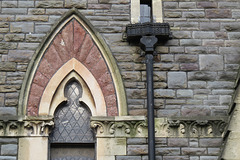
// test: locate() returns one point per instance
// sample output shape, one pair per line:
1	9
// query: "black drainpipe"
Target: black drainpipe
147	35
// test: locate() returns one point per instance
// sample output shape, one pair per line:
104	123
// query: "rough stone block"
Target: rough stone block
220	85
202	75
137	149
75	3
218	13
128	157
195	110
197	84
186	58
168	113
8	158
136	141
186	25
184	93
173	14
168	151
14	37
210	26
170	5
8	111
8	140
17	27
7	66
210	142
209	157
49	4
231	27
34	37
9	4
190	42
14	10
229	5
36	11
211	62
187	5
194	151
32	18
193	14
207	4
25	4
177	80
164	93
203	35
9	149
181	34
178	142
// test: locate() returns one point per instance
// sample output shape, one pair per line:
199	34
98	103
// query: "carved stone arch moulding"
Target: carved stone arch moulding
73	46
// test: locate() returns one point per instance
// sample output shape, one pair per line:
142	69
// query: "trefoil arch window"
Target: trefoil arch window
72	137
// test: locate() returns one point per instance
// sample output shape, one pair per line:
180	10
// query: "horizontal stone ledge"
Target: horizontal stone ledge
164	127
119	126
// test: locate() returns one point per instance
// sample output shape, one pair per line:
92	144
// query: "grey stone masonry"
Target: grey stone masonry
8	148
194	73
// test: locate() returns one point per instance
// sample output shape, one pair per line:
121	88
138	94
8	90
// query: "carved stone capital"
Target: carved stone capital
130	126
26	127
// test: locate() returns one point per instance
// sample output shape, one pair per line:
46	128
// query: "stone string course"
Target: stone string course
194	74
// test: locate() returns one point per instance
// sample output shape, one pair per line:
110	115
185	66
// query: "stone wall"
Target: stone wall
194	73
8	148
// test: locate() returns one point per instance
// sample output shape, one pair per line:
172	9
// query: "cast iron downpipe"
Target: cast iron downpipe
147	35
148	44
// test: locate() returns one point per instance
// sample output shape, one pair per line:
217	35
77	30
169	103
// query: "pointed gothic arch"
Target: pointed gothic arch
73	44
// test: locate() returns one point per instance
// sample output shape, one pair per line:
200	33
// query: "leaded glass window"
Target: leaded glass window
72	134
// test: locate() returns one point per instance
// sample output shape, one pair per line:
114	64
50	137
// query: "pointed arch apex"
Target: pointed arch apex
40	56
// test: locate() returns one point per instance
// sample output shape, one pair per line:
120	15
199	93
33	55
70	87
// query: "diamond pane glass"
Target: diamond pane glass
72	119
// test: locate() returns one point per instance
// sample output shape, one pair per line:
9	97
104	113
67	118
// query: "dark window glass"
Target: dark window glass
72	136
145	11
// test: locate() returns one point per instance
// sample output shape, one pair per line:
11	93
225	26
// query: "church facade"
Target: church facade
76	84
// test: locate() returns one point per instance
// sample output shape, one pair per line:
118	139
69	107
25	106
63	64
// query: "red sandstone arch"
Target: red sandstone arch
72	41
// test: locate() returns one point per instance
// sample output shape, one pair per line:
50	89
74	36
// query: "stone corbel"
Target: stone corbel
130	126
33	127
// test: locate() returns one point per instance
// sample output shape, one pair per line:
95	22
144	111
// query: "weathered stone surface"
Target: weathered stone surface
36	11
136	141
75	3
190	42
137	149
14	37
32	18
218	13
184	93
34	37
202	75
193	14
128	157
164	93
18	27
49	4
8	111
168	151
177	80
9	149
186	58
14	10
203	35
207	4
9	4
194	151
210	142
181	34
195	110
7	66
187	5
211	62
170	5
210	26
8	158
8	140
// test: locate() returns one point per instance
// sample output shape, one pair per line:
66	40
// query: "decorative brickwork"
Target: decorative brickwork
72	41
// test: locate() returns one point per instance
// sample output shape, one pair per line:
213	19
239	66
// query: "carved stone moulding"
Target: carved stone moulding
22	127
130	126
